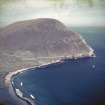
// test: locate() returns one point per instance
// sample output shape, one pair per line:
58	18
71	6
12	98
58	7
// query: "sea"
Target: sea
72	82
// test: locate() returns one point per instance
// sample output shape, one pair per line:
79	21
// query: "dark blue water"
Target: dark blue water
74	82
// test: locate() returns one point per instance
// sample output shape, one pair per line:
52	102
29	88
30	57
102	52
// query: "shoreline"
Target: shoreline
9	75
18	94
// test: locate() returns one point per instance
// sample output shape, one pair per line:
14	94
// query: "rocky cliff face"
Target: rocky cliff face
42	39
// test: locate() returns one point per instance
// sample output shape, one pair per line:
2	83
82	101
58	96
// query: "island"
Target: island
43	40
38	42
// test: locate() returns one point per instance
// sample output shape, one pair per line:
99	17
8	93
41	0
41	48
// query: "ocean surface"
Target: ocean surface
73	82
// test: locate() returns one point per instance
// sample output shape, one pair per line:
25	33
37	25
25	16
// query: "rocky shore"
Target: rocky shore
16	93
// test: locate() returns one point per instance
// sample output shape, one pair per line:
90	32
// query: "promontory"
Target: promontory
39	41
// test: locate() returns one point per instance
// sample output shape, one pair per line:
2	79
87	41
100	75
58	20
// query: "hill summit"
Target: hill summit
44	38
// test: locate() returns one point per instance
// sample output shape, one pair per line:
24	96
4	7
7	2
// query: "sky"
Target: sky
70	12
